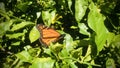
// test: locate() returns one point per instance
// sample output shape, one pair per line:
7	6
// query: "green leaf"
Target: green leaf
3	11
87	56
116	41
77	52
67	59
73	65
38	14
96	23
57	65
23	6
56	48
68	42
108	7
73	27
34	52
21	25
16	43
42	63
80	9
48	16
64	53
83	29
16	35
110	38
34	34
4	27
2	6
24	56
70	5
110	63
47	51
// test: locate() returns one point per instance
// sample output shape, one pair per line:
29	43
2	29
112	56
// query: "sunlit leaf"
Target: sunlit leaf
80	9
117	38
57	65
34	34
4	27
48	16
56	48
27	47
16	43
34	52
24	56
83	29
110	38
87	56
47	51
96	23
16	35
3	11
42	63
38	14
70	5
73	27
110	63
21	25
68	42
64	53
77	53
73	65
116	41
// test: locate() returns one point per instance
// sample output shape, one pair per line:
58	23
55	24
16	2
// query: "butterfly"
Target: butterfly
48	35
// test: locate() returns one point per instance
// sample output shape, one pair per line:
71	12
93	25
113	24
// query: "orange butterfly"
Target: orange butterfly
48	35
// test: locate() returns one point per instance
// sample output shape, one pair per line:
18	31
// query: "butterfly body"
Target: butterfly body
48	35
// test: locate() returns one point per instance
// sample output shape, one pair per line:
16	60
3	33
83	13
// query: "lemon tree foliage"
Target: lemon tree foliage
91	28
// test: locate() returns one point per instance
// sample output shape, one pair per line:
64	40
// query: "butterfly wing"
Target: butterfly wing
48	35
47	41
